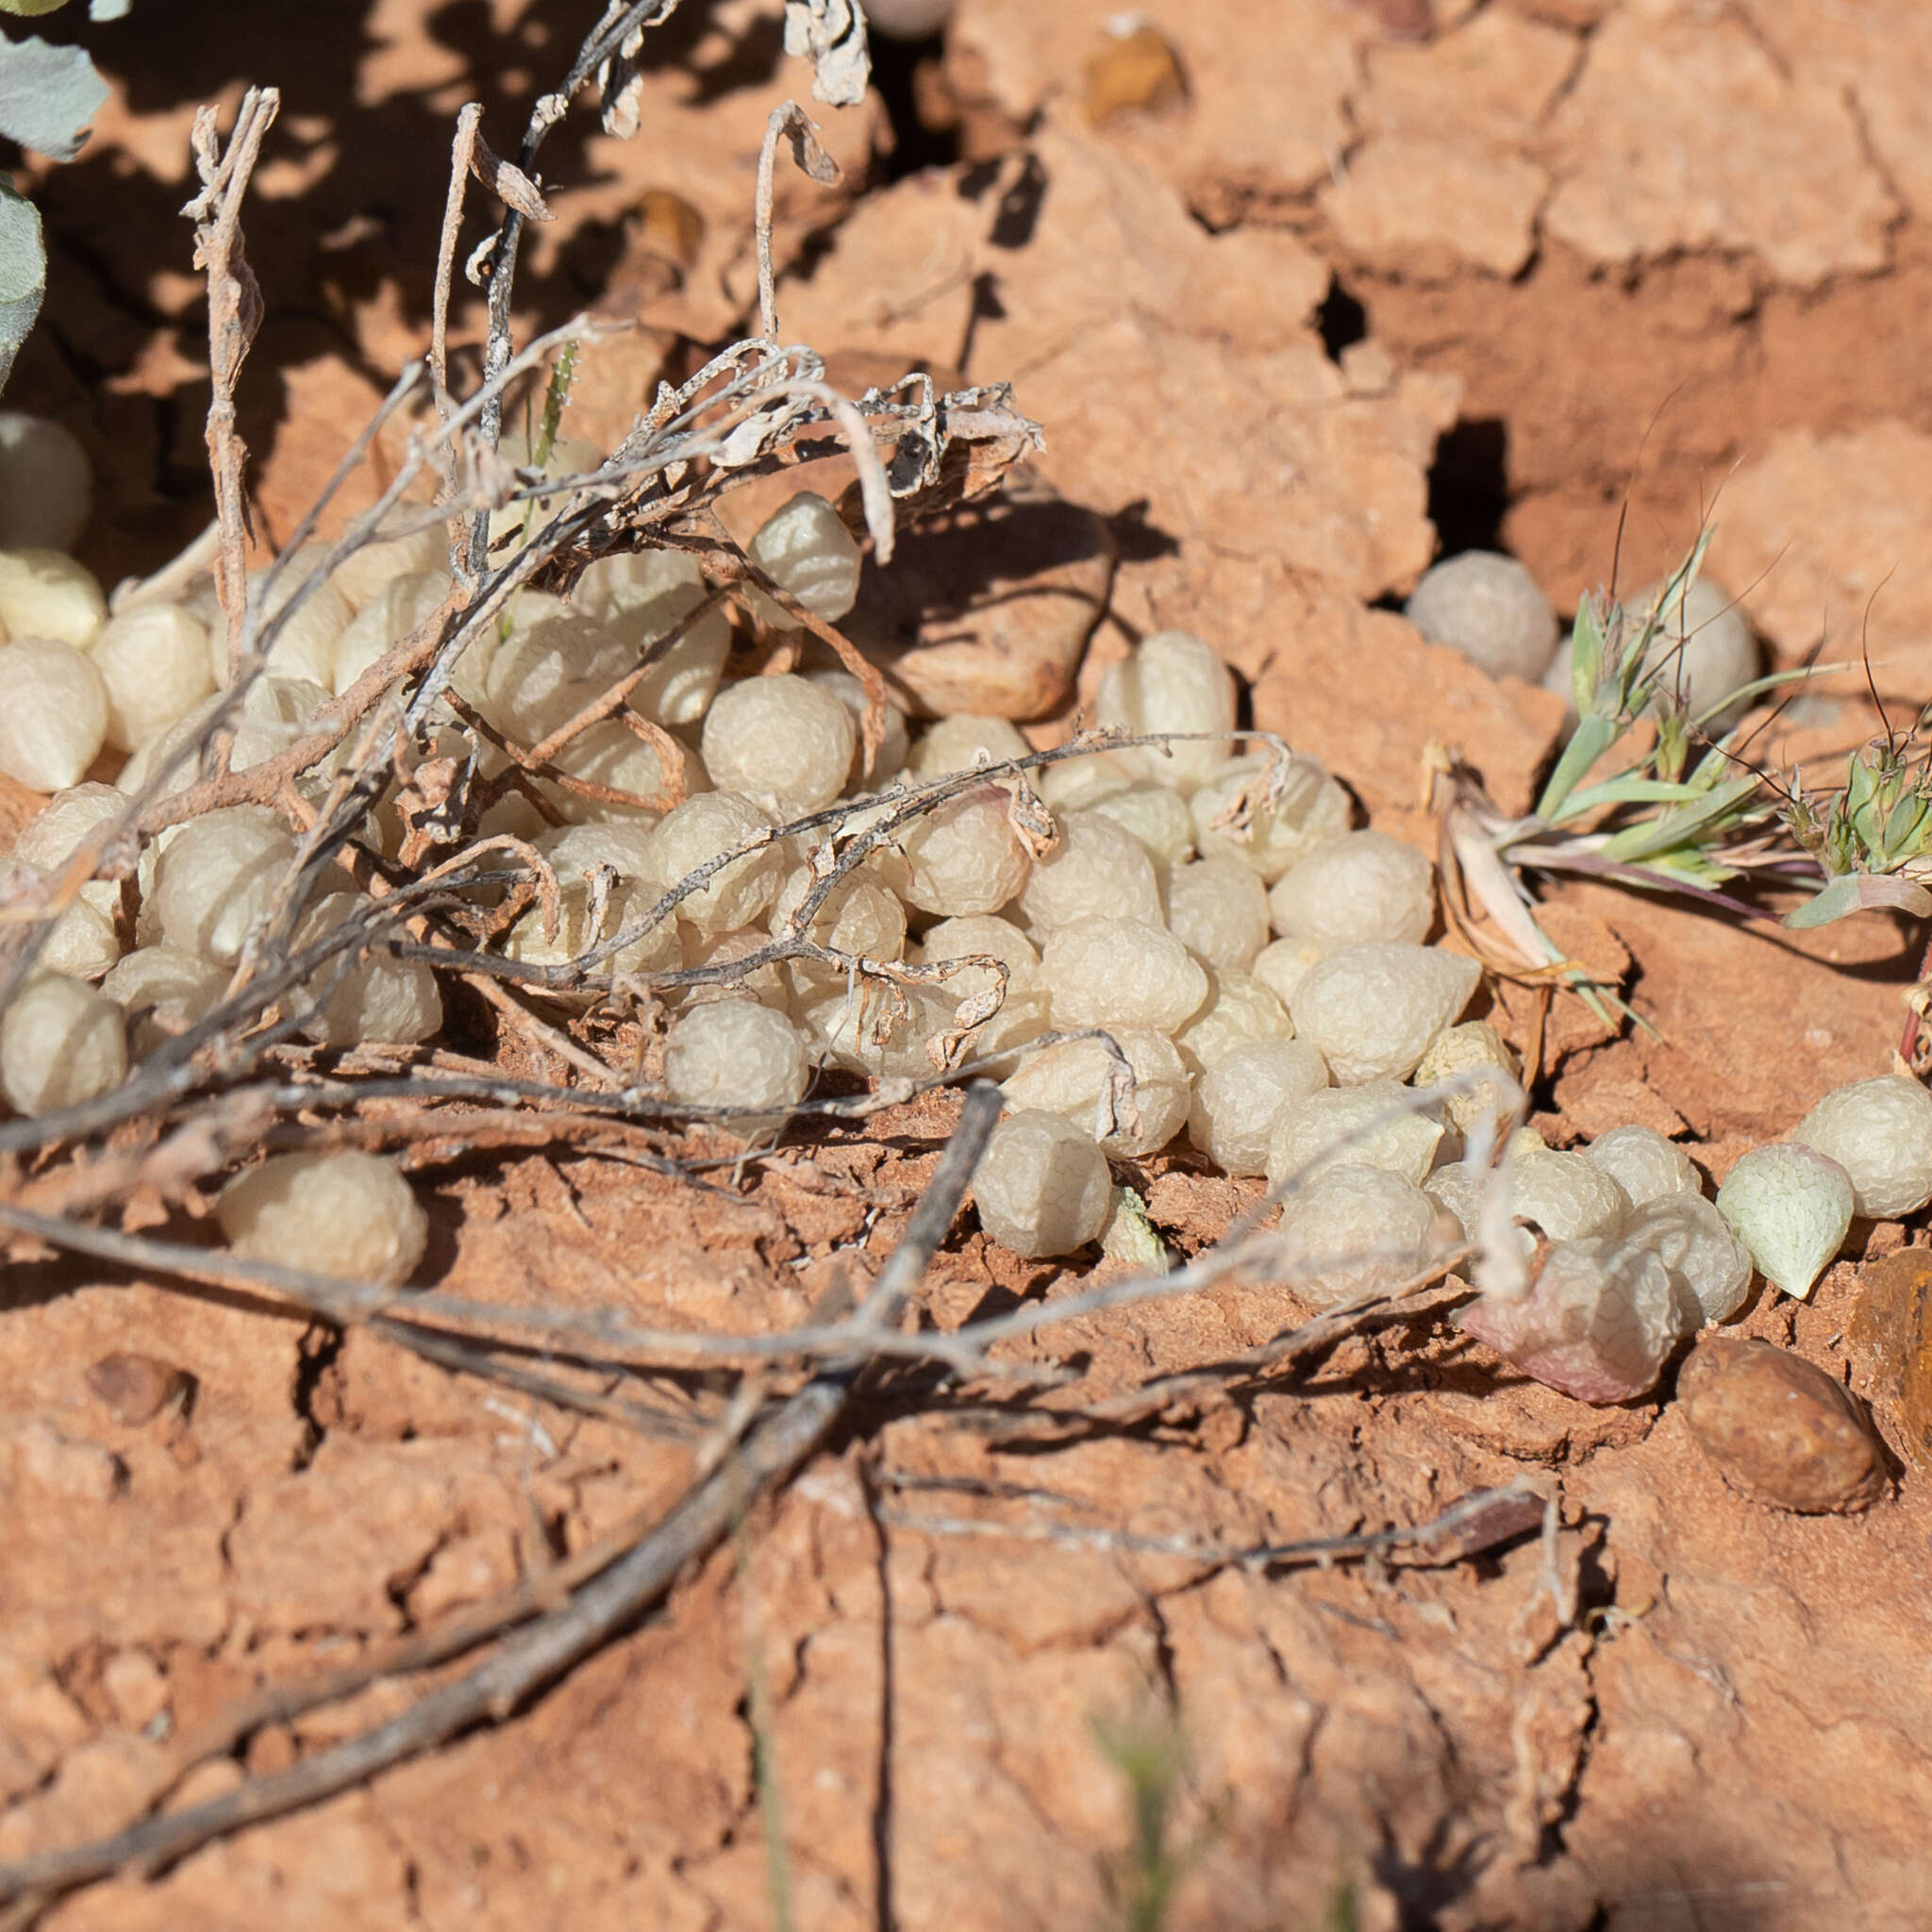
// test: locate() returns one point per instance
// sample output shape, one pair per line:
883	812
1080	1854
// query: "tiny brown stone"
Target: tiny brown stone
136	1388
1779	1428
1138	71
1890	1333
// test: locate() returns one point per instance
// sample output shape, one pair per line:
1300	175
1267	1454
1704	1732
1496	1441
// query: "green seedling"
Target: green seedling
1684	814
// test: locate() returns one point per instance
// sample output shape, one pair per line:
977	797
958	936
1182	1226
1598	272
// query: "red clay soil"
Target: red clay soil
1703	1712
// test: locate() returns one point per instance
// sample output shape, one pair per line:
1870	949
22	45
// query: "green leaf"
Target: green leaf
30	7
23	273
1593	737
1634	791
1859	891
1682	826
47	96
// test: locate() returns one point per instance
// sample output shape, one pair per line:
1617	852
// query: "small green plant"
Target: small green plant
1687	814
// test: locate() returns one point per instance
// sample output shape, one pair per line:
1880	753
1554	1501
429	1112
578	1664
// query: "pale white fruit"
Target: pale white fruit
163	990
83	943
47	483
1122	973
1378	1123
1566	1195
1705	652
275	711
859	918
1312	807
860	1029
1024	1014
375	997
1599	1323
1158	818
1239	1009
766	983
304	641
805	549
1359	887
783	740
1691	1238
1459	1190
1791	1206
1169	682
153	661
1491	609
58	829
610	754
895	738
1218	909
554	666
735	1053
625	848
217	876
350	1215
958	743
1042	1187
61	1046
1475	1053
1376	1010
1880	1132
703	828
1355	1231
1073	784
647	595
402	605
46	594
569	456
963	857
1242	1099
1645	1165
1281	965
54	718
1074	1078
365	575
1097	869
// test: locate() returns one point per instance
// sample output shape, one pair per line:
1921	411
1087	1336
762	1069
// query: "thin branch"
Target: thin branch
234	313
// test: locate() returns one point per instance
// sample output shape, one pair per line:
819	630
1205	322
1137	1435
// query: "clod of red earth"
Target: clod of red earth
1779	1428
987	610
1819	526
1890	1333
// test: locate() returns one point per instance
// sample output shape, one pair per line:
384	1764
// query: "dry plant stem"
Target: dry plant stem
1400	1305
788	121
1477	1524
234	313
462	149
618	24
560	1637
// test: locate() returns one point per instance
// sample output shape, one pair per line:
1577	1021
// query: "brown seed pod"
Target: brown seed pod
1779	1428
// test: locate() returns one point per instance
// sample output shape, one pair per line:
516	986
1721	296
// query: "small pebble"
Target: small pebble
136	1388
1779	1428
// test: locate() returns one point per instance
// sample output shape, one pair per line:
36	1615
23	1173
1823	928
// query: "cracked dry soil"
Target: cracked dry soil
1349	290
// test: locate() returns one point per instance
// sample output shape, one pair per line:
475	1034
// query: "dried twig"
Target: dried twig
234	313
